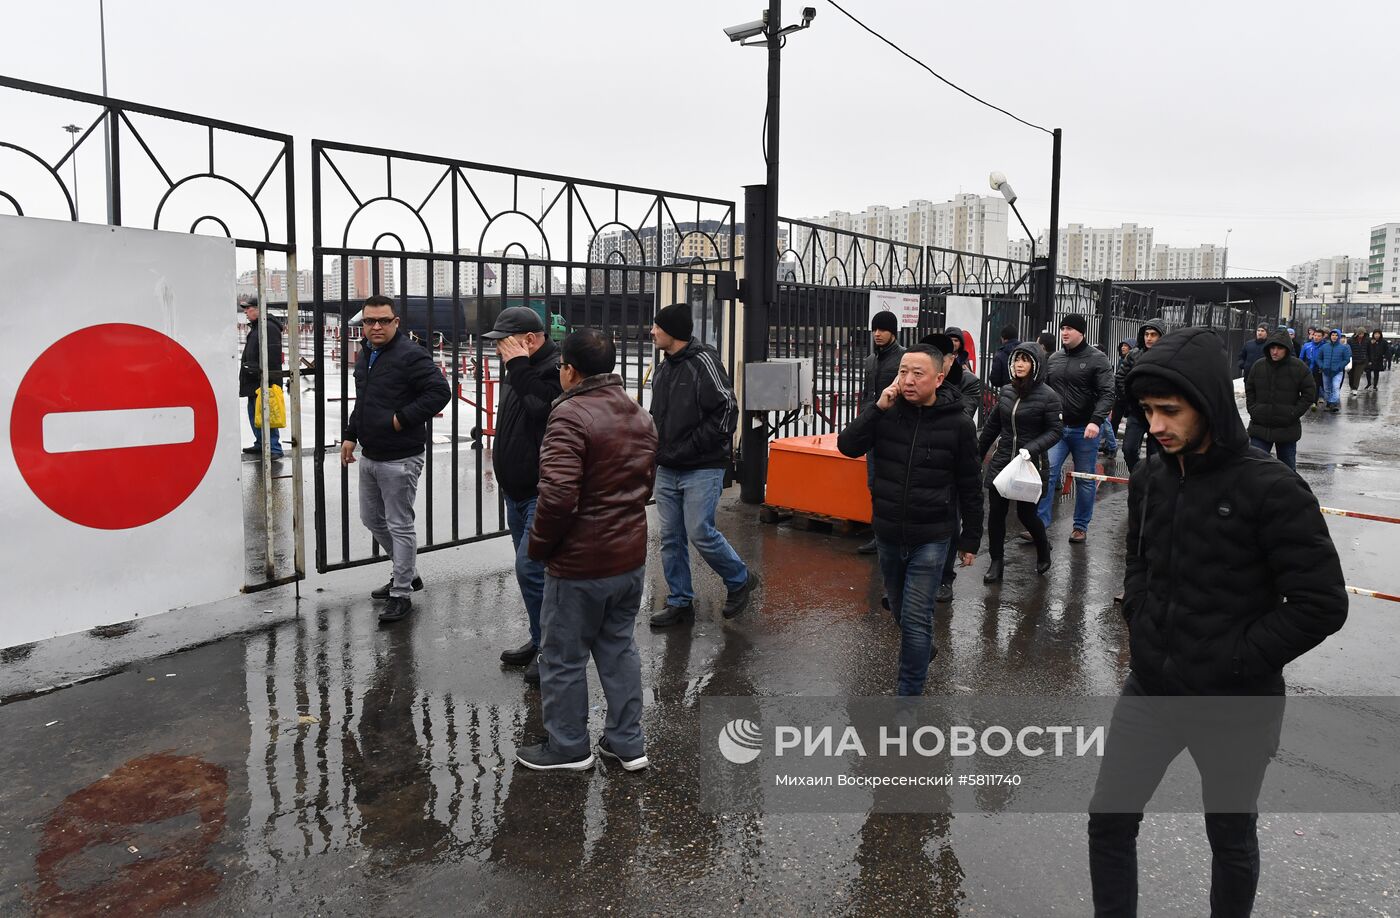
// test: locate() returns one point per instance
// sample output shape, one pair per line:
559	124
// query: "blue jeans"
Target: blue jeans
912	576
1332	386
685	504
1085	452
1108	434
1287	452
529	574
256	423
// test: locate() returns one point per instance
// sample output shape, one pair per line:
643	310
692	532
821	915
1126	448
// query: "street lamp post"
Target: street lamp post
763	284
1225	258
999	183
73	131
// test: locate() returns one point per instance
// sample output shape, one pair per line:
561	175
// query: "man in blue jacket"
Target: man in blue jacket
1332	359
1253	350
398	391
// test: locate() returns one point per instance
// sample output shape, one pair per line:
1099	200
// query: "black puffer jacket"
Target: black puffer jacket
1125	366
1231	572
968	386
1251	351
1278	393
881	368
1028	420
250	368
1001	365
925	459
1380	354
529	389
1083	378
403	382
693	405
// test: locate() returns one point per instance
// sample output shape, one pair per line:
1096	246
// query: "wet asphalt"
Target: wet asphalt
252	757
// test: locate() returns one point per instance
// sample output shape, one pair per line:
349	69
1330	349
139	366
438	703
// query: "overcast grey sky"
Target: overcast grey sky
1275	119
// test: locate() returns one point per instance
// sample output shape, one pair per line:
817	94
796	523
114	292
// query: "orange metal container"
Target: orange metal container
808	474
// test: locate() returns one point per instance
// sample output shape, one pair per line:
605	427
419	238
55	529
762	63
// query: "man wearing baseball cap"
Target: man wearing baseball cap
1083	377
530	386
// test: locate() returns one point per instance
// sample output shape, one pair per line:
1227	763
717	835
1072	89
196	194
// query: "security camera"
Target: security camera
746	30
999	183
808	14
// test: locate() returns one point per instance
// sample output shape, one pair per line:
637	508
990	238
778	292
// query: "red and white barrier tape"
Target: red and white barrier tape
1373	517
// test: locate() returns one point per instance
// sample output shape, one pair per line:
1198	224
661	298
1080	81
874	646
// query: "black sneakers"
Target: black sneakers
543	758
636	763
395	609
532	672
674	615
869	548
383	592
945	593
738	601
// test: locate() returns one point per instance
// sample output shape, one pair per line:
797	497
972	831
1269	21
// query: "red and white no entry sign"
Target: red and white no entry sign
114	426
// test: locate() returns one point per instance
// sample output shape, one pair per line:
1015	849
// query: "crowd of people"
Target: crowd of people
577	459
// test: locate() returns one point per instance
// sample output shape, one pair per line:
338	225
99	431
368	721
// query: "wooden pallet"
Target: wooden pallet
810	522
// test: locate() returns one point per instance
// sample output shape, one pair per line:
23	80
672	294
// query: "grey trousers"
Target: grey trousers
387	491
580	618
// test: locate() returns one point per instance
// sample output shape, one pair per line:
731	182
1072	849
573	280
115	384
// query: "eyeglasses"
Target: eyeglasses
389	321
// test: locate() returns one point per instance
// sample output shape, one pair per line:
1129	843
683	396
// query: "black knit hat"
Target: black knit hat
1075	321
675	321
884	320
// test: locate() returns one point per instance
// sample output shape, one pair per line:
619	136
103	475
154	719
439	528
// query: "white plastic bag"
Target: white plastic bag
1020	480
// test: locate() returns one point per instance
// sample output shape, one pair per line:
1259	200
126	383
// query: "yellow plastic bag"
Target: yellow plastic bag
277	418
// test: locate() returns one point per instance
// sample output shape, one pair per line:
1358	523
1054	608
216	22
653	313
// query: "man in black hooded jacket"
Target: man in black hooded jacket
1133	429
1278	391
1231	574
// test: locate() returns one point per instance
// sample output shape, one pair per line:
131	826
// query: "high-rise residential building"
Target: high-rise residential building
967	223
1383	272
357	277
1206	260
1121	252
1339	274
275	285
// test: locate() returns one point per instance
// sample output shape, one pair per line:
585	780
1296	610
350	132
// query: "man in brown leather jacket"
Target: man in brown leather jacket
597	468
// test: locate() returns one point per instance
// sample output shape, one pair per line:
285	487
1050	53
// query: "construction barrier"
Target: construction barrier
1374	517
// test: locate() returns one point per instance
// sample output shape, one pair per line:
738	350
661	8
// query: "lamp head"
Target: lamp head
999	183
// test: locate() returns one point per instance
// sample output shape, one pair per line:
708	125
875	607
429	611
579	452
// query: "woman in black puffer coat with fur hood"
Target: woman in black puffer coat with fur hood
1027	417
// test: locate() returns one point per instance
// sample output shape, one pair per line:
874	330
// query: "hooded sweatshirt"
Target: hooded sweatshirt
1231	572
1277	393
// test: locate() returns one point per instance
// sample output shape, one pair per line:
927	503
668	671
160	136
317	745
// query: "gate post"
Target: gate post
1106	341
759	254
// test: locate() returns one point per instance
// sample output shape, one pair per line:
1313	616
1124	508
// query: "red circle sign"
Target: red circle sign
114	426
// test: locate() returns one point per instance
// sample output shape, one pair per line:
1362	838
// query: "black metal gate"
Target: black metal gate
182	173
455	242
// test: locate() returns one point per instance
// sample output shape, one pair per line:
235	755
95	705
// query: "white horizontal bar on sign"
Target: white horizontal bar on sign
123	428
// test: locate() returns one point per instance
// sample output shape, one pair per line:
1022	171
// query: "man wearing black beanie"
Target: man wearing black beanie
881	367
693	405
1083	377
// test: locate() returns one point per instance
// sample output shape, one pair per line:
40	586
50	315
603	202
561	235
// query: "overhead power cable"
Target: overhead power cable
940	76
